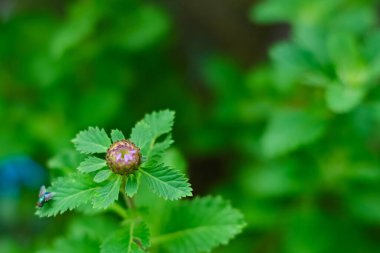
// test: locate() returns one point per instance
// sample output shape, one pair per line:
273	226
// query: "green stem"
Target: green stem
160	239
131	228
129	202
119	210
174	235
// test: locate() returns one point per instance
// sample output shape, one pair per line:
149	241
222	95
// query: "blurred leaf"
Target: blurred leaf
174	159
291	64
346	55
62	244
312	39
342	99
288	130
146	26
273	180
365	206
109	108
355	18
78	26
65	160
10	245
95	227
308	232
273	11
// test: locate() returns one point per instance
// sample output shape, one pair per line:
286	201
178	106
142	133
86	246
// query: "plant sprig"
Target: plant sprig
98	185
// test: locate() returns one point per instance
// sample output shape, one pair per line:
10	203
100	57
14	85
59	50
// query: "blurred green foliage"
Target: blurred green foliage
297	136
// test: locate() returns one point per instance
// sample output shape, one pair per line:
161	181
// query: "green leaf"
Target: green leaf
288	130
79	24
97	226
199	225
341	99
272	11
102	175
166	182
161	122
159	148
117	135
148	24
132	185
83	234
142	235
146	131
93	140
73	244
141	135
66	160
92	164
154	155
133	238
69	193
107	194
291	63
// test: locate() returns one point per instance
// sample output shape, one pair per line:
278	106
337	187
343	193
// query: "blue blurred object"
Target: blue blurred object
17	172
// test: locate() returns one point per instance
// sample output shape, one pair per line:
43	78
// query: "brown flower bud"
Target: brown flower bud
123	157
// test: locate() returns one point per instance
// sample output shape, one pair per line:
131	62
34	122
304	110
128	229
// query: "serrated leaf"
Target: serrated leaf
107	194
288	130
69	193
131	185
199	225
93	140
92	164
152	126
159	148
120	241
142	235
102	175
133	238
155	153
161	122
166	182
141	135
117	135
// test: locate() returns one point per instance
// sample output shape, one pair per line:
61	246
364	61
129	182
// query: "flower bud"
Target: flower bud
123	157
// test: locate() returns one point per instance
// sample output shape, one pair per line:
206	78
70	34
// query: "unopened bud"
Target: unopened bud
123	157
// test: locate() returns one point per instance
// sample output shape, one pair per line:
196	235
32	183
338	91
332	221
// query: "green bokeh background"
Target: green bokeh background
277	107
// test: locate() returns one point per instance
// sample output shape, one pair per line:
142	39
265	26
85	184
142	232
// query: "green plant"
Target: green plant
147	222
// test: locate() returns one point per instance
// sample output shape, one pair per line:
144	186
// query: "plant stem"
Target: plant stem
116	208
130	203
128	200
